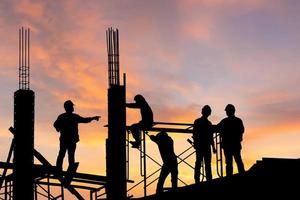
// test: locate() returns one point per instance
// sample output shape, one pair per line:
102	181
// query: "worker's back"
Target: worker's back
202	133
166	147
67	125
146	113
231	129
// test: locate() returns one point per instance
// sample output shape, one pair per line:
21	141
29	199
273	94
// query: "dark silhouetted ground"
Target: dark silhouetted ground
270	178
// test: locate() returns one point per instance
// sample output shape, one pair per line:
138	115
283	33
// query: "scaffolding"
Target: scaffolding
47	181
117	136
46	175
21	178
116	140
179	128
44	179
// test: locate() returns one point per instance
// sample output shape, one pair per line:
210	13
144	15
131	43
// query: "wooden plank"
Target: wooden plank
173	123
169	130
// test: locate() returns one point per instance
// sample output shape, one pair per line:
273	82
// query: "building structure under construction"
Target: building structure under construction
23	179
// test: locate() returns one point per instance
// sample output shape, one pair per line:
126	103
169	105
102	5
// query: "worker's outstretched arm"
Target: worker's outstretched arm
87	119
132	105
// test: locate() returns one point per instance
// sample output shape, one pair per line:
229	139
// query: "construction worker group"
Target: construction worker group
231	130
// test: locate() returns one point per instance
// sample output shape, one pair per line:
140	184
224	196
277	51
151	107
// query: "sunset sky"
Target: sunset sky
179	54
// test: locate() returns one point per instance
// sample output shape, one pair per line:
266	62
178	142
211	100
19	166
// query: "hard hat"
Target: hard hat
206	108
162	134
138	97
230	107
68	103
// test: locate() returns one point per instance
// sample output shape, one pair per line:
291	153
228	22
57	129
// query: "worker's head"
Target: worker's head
206	110
162	134
69	106
139	98
230	110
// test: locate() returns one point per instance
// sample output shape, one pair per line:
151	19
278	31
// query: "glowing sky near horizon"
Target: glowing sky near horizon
180	55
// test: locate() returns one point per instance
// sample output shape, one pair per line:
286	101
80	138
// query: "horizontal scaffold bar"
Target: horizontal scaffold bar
42	171
170	127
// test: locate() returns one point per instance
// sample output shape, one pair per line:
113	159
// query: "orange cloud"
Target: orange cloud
200	29
29	8
267	131
223	3
69	62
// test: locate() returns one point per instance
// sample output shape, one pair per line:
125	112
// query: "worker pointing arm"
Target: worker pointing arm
87	119
67	125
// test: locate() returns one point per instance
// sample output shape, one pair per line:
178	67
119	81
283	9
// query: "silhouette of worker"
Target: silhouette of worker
203	141
67	125
166	149
146	122
231	130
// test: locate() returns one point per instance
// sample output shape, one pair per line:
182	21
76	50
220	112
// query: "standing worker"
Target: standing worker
166	150
231	130
146	122
203	141
67	125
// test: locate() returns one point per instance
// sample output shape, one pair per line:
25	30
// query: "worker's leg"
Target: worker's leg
207	160
162	177
199	158
239	161
174	175
71	153
61	155
135	130
228	161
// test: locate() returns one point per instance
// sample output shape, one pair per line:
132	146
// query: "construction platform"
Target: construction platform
170	127
51	176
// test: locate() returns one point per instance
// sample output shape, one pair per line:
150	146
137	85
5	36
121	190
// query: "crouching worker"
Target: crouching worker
146	122
166	149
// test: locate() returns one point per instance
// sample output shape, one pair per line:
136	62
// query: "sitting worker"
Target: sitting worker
146	122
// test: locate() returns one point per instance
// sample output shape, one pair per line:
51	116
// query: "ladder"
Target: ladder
143	160
143	157
166	127
219	154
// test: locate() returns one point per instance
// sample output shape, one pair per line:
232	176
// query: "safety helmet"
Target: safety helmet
139	98
230	107
206	109
68	103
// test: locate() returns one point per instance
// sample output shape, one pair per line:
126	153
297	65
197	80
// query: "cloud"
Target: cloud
250	4
199	30
180	55
29	8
